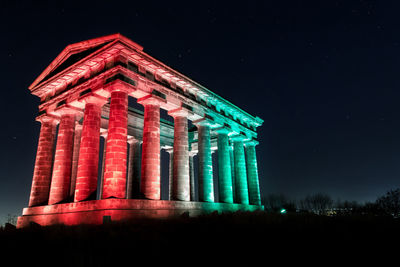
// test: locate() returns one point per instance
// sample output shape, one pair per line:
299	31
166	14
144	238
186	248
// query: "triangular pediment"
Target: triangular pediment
75	52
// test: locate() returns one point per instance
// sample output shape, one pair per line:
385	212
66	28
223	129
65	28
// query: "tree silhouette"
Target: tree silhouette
317	203
390	203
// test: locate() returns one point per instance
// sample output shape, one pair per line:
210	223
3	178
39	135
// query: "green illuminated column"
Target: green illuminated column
232	159
224	167
242	194
206	186
252	173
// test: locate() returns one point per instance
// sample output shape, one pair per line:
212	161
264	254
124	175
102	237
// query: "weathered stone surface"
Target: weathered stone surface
150	178
242	193
181	178
206	183
60	182
86	178
224	168
252	175
92	212
118	71
75	158
43	164
114	183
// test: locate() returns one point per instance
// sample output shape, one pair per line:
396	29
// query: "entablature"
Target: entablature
145	75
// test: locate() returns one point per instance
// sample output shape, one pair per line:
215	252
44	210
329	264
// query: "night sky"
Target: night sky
324	76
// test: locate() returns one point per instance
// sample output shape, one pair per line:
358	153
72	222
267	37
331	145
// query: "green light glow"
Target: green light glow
206	183
224	167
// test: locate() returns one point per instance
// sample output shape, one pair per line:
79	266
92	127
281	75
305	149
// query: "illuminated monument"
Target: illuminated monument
84	97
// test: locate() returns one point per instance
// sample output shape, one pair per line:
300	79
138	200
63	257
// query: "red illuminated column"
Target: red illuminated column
44	161
60	182
75	157
150	178
181	178
86	178
114	184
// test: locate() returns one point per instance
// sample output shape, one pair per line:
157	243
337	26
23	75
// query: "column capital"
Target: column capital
205	121
169	150
180	112
93	99
251	142
224	130
46	118
66	110
78	126
118	85
103	133
239	137
151	100
132	140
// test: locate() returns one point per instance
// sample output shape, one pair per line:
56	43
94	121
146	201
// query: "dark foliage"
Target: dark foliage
390	203
212	238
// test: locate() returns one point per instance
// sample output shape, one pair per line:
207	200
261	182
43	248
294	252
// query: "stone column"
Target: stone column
136	169
132	168
114	184
231	156
150	178
60	181
181	179
75	158
224	167
191	173
242	194
86	178
43	163
252	173
206	183
103	164
170	173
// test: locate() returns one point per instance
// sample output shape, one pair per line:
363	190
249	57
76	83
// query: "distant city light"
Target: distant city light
283	211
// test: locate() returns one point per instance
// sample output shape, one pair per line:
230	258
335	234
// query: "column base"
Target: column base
118	210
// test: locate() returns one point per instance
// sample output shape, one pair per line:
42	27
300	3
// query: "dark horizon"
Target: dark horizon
322	76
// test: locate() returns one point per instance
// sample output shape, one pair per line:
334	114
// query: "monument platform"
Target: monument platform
97	212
